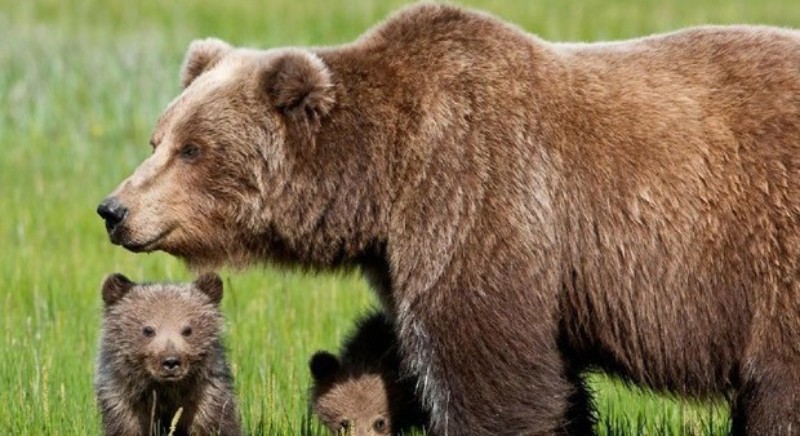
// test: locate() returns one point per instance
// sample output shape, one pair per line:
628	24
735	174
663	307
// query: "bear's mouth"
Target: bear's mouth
170	377
139	247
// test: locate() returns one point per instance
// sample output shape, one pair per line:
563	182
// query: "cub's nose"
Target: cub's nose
112	211
171	363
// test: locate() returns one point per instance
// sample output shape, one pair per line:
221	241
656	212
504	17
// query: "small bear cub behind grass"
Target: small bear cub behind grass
160	353
362	391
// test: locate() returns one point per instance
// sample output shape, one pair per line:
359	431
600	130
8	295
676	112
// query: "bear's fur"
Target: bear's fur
526	210
363	391
160	352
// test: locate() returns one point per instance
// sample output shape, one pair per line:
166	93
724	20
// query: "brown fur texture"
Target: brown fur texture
160	352
363	391
525	210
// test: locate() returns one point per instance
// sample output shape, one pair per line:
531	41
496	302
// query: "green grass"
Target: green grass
81	84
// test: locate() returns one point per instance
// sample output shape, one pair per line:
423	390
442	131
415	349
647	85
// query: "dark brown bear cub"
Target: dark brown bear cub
161	353
363	392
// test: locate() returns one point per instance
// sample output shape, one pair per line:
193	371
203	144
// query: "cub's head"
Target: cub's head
350	403
161	332
224	160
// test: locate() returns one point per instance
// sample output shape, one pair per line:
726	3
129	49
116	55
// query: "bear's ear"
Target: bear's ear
115	287
323	365
299	85
201	56
211	285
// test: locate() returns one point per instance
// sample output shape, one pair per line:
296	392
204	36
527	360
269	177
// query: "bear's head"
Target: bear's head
161	332
234	175
357	403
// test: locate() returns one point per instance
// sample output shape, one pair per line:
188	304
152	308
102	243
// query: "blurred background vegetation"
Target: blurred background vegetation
81	84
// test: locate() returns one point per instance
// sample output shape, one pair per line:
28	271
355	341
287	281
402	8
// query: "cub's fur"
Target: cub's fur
362	391
161	352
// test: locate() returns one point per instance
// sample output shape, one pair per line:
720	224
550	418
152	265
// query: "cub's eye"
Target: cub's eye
149	332
187	331
344	424
379	425
189	151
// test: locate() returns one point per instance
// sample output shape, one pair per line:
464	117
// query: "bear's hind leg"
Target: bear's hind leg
768	400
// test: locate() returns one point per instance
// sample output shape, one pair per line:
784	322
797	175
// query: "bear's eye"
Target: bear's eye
149	332
187	331
379	425
344	424
189	151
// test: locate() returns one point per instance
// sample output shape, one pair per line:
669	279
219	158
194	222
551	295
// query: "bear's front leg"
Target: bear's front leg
216	413
489	362
119	416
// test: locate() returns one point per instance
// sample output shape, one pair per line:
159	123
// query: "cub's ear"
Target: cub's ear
299	84
211	285
115	287
323	365
201	56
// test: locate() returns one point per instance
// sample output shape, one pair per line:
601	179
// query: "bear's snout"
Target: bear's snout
113	212
171	363
169	366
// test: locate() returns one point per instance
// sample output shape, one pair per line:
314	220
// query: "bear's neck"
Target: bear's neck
336	206
421	147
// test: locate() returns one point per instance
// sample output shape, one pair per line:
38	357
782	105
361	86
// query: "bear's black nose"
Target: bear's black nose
112	211
171	363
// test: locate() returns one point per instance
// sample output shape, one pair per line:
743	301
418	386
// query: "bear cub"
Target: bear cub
362	392
161	359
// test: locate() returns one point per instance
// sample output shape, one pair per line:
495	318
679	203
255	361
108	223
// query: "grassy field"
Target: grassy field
81	84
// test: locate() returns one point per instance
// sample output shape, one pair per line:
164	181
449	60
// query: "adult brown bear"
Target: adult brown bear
526	210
